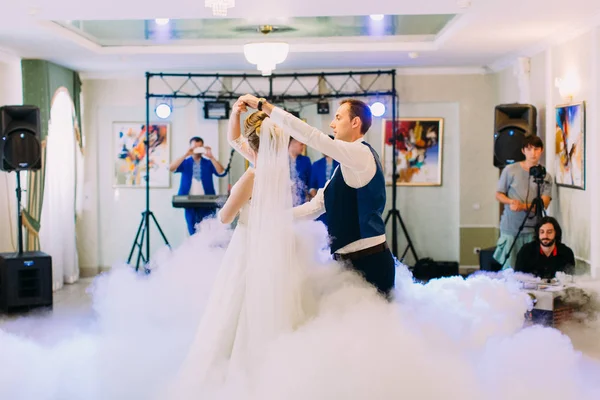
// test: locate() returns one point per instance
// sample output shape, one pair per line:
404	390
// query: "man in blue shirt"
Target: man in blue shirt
321	172
300	166
197	167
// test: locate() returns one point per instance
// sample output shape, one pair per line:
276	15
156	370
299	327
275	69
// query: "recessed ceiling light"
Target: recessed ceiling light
161	21
376	17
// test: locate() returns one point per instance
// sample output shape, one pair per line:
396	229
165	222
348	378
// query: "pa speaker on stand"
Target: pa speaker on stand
512	124
25	277
20	148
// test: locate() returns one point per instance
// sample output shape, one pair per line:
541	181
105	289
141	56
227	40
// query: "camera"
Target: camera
199	150
538	172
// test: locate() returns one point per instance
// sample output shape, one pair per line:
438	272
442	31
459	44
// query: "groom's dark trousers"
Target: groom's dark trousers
376	264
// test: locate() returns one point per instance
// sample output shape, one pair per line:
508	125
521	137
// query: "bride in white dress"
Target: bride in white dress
259	292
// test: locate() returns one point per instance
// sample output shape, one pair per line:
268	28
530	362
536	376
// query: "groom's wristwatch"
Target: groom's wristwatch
261	101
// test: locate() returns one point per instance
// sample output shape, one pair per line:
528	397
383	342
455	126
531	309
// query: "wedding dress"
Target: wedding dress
260	291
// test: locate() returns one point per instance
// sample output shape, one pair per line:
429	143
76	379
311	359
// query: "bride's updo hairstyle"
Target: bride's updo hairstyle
252	126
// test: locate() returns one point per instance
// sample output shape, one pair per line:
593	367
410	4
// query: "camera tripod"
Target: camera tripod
537	205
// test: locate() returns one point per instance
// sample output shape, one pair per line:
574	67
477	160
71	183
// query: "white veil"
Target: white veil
274	277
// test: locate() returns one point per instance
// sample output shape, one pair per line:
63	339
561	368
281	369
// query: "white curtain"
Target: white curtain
57	224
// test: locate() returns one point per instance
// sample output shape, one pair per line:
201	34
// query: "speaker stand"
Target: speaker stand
19	213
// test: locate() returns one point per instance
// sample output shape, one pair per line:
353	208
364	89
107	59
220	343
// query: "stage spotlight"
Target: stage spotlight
377	109
161	21
323	107
163	110
376	17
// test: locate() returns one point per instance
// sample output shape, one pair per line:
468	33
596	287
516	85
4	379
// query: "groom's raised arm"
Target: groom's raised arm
349	154
352	155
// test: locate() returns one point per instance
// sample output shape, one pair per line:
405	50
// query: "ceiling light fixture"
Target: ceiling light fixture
413	54
266	55
376	17
219	7
161	21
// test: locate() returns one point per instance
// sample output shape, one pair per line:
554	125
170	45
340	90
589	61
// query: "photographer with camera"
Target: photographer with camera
525	190
197	167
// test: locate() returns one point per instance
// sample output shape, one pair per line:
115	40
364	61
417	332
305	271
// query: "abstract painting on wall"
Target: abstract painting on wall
130	152
569	153
418	151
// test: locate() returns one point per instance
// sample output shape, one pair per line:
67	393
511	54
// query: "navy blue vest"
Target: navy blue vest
355	214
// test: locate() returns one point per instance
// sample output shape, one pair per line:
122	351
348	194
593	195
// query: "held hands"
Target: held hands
239	107
249	100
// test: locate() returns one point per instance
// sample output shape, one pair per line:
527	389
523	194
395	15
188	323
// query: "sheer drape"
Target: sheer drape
57	230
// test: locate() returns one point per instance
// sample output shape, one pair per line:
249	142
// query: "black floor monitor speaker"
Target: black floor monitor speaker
512	123
20	146
25	281
426	269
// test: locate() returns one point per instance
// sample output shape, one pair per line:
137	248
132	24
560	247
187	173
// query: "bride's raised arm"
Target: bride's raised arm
234	136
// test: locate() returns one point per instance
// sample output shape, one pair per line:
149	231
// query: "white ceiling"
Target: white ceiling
486	34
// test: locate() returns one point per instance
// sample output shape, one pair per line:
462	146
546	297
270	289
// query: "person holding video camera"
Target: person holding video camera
518	190
197	167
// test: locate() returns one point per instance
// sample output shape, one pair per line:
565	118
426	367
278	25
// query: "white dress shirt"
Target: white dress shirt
357	166
197	188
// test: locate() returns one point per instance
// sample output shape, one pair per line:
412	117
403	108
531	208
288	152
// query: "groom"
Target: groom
354	197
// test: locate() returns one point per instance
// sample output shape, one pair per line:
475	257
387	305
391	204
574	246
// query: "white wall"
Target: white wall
593	149
11	93
575	209
572	207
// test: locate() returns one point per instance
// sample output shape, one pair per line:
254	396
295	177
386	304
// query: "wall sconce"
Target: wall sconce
568	86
